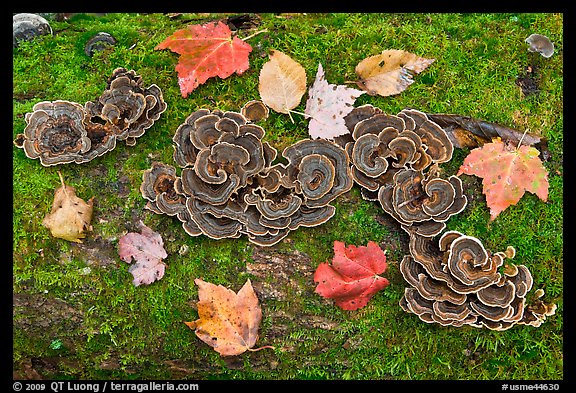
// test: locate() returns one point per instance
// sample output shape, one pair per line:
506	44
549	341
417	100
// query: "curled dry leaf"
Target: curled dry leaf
327	105
228	321
70	215
390	72
464	131
147	249
282	82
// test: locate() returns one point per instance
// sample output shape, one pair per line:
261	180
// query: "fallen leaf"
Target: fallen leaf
282	82
353	278
327	105
206	51
228	321
70	216
147	250
506	172
390	72
465	131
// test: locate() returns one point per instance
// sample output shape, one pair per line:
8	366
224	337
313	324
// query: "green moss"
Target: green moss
132	332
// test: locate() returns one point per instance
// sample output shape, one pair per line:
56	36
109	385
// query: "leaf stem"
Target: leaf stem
61	178
252	35
64	189
264	347
299	113
522	138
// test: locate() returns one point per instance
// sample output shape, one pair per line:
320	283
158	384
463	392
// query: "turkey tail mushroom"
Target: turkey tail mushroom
457	282
61	132
230	186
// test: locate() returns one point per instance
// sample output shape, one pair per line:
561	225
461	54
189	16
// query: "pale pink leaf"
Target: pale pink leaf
327	105
147	250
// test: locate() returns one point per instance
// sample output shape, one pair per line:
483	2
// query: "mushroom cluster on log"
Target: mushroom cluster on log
61	132
457	282
229	184
395	160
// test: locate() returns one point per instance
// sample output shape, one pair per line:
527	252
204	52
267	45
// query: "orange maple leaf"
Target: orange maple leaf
206	51
227	321
507	172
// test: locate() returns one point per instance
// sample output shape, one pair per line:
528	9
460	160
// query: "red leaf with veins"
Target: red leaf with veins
206	51
353	278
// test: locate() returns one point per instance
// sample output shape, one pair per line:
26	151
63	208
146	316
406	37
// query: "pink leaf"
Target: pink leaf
327	105
147	249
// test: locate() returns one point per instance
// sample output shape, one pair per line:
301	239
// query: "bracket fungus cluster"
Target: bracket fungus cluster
100	41
395	161
230	184
458	282
61	132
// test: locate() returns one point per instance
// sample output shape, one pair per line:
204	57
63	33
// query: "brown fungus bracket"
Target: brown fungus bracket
457	282
61	132
55	133
255	111
422	203
395	158
383	144
229	184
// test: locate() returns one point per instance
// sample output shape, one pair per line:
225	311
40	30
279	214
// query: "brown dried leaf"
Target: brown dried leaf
465	131
70	216
228	321
390	72
282	82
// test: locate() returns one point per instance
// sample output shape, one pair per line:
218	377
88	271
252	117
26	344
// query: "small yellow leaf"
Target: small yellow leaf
70	216
282	82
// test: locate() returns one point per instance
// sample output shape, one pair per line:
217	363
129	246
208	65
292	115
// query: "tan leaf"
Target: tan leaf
70	216
390	72
282	82
228	322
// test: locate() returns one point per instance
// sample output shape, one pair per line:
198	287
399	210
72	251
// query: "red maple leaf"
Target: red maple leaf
206	51
506	172
353	278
